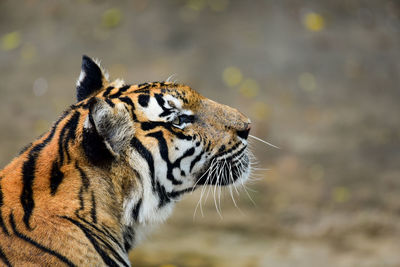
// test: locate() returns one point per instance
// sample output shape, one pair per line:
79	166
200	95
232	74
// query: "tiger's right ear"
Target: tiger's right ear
91	79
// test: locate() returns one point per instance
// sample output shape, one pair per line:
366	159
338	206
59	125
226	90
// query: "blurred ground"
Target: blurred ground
320	79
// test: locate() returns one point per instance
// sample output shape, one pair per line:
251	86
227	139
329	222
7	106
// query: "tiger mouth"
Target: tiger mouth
226	168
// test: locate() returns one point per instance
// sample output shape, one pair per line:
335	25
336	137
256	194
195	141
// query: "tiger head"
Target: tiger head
171	136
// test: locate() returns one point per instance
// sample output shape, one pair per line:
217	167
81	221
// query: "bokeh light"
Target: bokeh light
112	17
341	194
249	88
11	41
232	76
314	22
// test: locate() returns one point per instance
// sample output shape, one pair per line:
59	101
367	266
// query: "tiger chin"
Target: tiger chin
112	165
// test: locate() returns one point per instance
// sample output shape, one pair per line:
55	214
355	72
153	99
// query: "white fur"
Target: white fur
82	76
149	212
118	83
152	110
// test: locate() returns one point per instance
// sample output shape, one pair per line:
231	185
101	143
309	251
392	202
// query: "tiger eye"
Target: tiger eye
177	120
171	103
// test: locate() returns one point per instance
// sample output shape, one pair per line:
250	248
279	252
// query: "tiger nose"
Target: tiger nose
244	133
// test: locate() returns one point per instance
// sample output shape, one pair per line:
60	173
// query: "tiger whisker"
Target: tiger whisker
247	193
198	180
215	187
241	162
225	181
263	141
207	189
169	79
210	170
230	190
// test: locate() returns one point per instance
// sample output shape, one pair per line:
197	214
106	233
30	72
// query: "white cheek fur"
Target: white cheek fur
153	110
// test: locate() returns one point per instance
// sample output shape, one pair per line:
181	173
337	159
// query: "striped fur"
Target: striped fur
112	165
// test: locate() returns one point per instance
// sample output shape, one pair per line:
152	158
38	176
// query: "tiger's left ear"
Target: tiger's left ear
91	79
107	130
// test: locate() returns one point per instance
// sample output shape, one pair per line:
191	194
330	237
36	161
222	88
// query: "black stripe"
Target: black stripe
175	194
2	224
189	152
165	113
124	88
149	125
144	100
143	86
93	211
208	146
196	160
72	125
28	174
163	148
108	91
81	201
84	187
109	102
63	142
233	155
136	144
161	102
128	101
129	237
4	258
160	99
103	231
222	148
84	104
116	95
85	180
91	237
56	177
136	210
163	195
36	244
143	90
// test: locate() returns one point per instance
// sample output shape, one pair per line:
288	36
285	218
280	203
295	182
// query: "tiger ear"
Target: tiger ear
91	79
108	128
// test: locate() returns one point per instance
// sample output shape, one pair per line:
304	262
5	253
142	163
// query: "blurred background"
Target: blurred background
319	79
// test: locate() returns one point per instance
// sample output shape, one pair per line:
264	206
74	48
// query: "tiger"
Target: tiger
111	167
